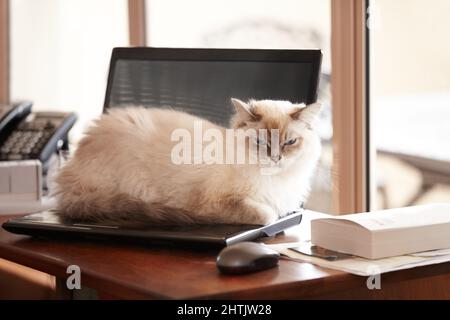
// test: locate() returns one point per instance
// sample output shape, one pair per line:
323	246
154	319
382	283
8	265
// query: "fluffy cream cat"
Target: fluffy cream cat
123	169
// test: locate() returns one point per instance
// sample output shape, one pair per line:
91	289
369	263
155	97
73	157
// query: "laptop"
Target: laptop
48	224
200	82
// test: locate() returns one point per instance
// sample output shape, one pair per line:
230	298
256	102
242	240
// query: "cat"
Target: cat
122	171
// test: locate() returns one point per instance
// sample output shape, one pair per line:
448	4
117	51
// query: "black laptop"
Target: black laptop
48	224
200	82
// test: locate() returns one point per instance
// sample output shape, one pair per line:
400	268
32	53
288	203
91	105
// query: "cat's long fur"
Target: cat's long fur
122	170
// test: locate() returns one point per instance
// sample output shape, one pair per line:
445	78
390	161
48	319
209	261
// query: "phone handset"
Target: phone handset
11	114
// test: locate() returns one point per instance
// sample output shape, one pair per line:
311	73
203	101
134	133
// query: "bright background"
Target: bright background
60	52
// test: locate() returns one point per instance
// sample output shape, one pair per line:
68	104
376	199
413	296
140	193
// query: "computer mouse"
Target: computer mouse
246	257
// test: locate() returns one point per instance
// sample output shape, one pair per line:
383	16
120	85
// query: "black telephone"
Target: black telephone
25	135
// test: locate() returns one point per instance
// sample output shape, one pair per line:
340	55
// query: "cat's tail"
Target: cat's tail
117	208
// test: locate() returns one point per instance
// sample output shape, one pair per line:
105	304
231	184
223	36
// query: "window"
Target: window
410	101
255	24
60	53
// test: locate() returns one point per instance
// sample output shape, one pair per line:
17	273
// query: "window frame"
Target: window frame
137	22
352	149
4	51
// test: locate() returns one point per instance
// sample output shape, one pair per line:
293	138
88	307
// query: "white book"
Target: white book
385	233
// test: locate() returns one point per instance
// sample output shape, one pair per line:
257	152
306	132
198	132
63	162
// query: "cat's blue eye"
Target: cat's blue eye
289	142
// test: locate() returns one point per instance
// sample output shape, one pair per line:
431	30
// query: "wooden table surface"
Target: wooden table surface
131	271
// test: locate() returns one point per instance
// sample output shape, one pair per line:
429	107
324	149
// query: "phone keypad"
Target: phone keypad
28	141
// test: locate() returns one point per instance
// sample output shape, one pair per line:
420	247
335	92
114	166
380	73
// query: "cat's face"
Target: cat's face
285	131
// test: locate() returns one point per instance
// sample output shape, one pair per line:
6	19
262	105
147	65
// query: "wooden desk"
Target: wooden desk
136	272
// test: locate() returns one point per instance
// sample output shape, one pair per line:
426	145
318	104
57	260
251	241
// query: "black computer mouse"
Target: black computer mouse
246	257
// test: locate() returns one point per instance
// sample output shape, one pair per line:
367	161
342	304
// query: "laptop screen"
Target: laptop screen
202	81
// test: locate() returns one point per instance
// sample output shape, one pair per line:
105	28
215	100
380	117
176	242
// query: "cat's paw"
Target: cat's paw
258	213
265	218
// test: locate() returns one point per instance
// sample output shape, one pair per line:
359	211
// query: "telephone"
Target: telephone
26	135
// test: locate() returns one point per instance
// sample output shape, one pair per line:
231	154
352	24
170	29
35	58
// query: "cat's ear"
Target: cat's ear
307	114
243	110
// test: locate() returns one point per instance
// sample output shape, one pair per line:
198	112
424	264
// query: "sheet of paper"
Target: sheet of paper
432	253
20	207
364	267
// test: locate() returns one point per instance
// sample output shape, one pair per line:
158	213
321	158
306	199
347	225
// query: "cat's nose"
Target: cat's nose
276	158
